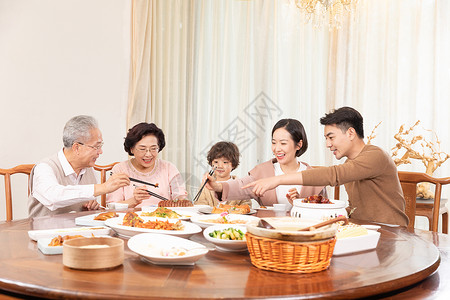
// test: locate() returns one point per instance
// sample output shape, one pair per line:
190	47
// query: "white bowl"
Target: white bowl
150	247
226	245
318	211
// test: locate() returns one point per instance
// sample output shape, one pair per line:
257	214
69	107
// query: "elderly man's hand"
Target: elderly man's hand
113	183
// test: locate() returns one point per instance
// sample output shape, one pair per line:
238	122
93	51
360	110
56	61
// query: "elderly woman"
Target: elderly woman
144	141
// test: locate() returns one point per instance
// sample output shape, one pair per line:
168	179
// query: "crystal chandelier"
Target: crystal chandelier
331	11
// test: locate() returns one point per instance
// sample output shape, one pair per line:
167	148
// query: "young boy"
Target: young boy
369	174
224	156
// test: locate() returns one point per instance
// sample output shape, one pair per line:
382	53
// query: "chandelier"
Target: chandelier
320	12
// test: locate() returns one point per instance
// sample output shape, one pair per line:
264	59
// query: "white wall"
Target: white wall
59	59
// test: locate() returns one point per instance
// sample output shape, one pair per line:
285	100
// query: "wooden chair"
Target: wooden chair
23	169
103	170
409	181
26	169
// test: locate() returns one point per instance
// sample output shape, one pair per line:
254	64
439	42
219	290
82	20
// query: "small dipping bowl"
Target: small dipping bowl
93	253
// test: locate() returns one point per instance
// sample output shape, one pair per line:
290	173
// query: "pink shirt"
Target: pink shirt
170	183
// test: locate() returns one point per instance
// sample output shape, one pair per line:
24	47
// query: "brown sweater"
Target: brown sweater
208	197
372	185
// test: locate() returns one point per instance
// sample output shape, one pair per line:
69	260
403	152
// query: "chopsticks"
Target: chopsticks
201	189
141	181
156	195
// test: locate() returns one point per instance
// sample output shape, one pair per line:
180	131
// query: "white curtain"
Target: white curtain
228	70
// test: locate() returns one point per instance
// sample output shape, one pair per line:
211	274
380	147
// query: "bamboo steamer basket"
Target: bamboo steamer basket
93	253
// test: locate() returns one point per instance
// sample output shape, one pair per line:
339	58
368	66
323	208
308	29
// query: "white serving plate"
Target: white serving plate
51	250
88	220
185	214
226	245
209	209
201	220
84	231
128	231
357	243
46	249
149	246
266	208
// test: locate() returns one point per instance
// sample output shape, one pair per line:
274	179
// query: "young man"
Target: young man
65	181
369	174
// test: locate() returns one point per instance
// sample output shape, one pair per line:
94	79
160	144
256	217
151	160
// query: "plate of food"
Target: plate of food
165	212
213	219
83	231
130	224
353	238
52	246
262	207
228	238
95	219
231	209
166	249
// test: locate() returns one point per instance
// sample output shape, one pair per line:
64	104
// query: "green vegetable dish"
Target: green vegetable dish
228	234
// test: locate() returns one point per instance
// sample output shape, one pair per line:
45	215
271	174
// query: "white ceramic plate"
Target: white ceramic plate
46	249
266	208
185	215
151	246
208	210
226	245
84	231
357	243
128	231
333	204
50	250
203	220
88	220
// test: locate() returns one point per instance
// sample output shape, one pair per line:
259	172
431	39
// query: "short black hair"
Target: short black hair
228	150
297	132
141	130
344	118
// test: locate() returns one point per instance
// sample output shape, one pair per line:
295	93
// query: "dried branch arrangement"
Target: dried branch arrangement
417	147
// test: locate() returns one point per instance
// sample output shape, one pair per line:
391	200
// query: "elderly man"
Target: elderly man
65	181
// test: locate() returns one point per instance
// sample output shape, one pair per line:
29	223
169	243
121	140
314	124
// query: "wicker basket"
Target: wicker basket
290	257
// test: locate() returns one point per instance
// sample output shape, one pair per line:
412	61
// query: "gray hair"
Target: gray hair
78	129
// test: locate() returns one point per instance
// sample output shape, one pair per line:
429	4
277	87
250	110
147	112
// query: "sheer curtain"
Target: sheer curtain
206	71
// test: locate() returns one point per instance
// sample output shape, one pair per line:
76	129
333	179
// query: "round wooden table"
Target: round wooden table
400	263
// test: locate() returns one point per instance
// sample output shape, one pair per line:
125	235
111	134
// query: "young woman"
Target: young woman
224	157
144	141
289	142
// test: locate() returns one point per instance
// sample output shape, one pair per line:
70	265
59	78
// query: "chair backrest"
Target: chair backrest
23	169
26	169
103	170
409	181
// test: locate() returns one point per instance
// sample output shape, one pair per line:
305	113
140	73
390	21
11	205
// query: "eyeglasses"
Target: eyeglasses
96	148
153	149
